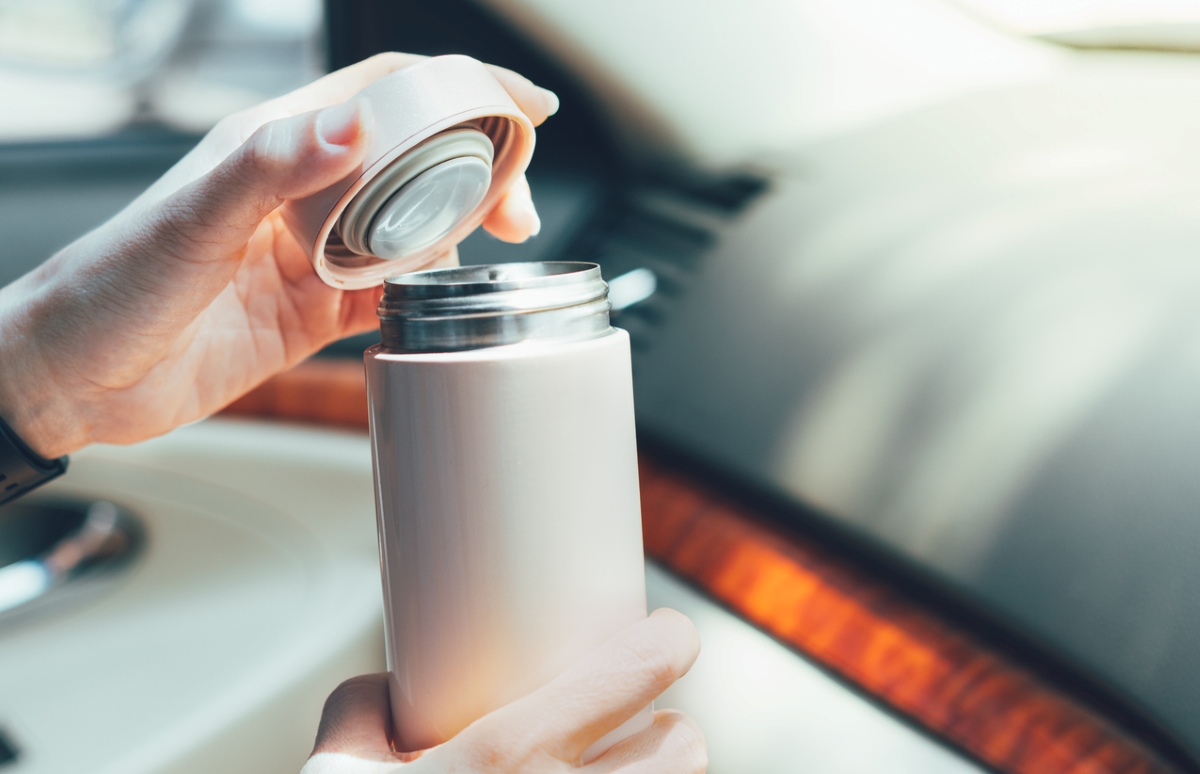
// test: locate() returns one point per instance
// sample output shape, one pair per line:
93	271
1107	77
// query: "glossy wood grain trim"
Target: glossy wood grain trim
872	635
828	609
331	392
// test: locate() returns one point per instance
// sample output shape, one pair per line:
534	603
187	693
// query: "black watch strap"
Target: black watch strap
20	468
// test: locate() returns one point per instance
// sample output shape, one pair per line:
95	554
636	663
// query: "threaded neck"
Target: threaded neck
473	307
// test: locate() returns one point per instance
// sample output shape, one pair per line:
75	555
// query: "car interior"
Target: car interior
911	290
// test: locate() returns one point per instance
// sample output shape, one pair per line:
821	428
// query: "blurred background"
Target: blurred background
79	70
101	97
917	278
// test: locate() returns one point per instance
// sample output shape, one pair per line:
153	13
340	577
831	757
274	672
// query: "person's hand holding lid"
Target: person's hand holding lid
196	292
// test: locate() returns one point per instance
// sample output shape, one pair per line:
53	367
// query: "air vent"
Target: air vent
649	237
650	242
728	193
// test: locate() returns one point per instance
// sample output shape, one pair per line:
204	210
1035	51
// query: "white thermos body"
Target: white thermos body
502	427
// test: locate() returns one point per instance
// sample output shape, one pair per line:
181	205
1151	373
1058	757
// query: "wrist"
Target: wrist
31	400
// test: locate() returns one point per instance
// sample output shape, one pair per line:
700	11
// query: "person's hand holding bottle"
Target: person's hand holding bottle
545	732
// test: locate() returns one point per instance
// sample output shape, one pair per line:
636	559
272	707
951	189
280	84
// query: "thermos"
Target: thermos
501	412
502	428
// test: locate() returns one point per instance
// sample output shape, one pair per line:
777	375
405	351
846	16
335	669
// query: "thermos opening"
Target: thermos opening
473	307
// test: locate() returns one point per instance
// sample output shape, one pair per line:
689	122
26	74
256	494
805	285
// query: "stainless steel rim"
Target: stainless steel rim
473	307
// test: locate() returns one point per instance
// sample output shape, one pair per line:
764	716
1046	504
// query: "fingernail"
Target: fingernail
551	102
341	124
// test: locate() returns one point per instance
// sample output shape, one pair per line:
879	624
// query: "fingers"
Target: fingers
599	693
673	745
535	102
356	720
556	722
341	85
293	157
514	218
212	218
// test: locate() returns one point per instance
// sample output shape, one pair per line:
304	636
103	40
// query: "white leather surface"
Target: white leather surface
727	82
259	592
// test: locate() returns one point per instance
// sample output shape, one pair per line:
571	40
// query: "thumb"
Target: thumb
213	217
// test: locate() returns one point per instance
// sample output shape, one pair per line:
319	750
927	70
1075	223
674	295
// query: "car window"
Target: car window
81	69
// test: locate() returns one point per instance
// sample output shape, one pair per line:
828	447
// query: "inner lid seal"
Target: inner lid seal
421	196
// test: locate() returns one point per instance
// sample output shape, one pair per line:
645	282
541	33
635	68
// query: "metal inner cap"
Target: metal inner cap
420	197
472	307
429	207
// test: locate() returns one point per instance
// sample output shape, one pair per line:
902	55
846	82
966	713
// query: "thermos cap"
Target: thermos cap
473	307
447	142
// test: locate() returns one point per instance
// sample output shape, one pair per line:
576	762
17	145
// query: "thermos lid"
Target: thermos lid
447	142
472	307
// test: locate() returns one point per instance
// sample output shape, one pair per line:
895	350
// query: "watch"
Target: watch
22	469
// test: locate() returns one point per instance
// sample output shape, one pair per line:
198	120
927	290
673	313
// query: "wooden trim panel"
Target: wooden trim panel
840	617
331	392
828	609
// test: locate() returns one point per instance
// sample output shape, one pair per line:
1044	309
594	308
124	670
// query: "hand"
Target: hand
545	732
196	292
